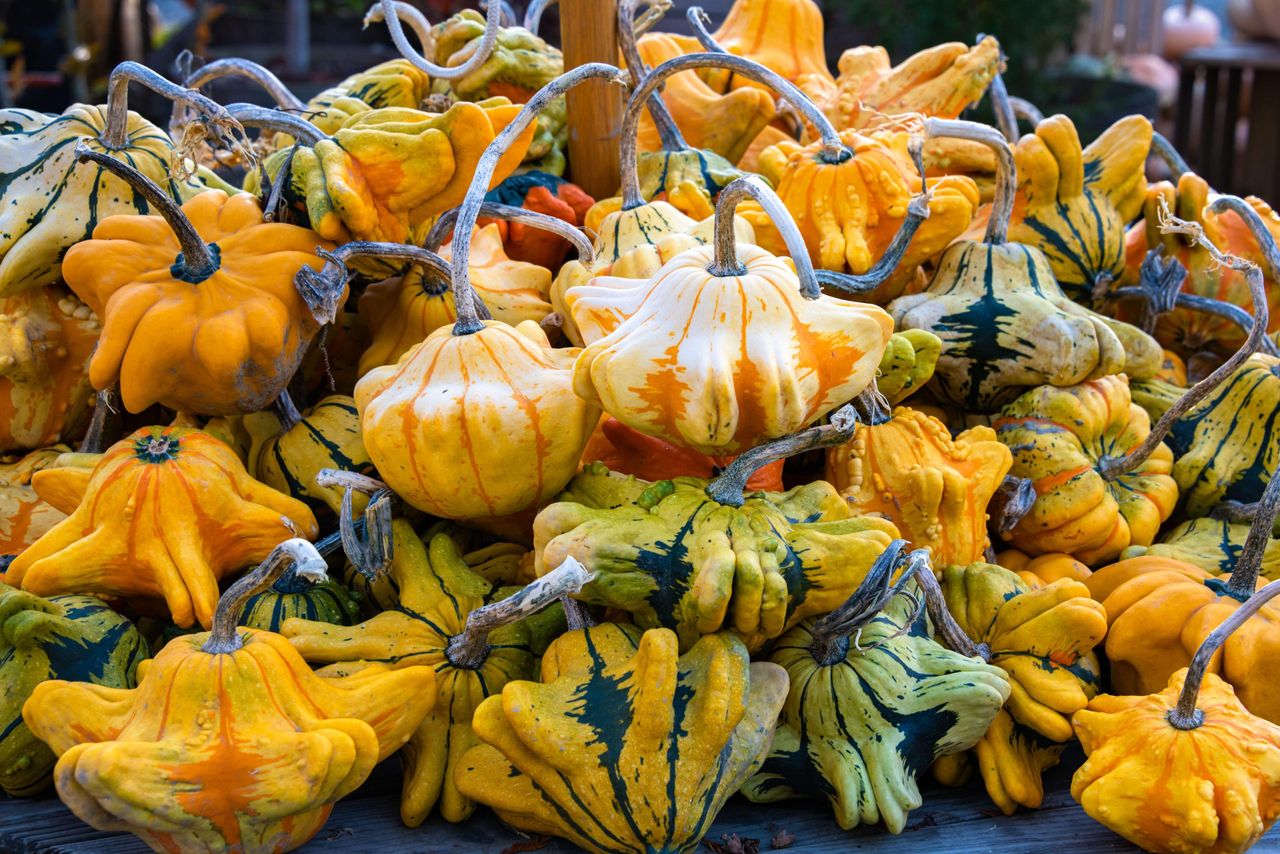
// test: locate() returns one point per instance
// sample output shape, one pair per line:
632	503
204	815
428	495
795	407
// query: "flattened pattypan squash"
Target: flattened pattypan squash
625	745
75	638
1212	544
25	515
873	700
229	742
194	516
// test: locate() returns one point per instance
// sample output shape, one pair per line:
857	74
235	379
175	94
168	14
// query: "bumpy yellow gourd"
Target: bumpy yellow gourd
25	515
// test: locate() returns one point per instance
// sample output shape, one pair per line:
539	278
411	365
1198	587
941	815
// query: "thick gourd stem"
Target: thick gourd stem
322	290
266	118
1185	715
197	260
533	14
833	149
410	15
576	617
469	211
237	67
1006	119
104	425
953	637
1161	147
831	634
917	213
286	411
508	18
115	137
444	226
391	12
1012	501
1244	574
668	131
1024	109
725	261
1006	171
307	564
1113	467
1261	234
367	542
729	486
469	649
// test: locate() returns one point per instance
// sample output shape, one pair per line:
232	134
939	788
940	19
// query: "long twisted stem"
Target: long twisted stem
726	262
830	643
115	137
308	564
391	11
235	67
953	637
468	322
266	118
668	131
444	226
1006	171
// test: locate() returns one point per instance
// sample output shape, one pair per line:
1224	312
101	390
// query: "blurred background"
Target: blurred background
1207	72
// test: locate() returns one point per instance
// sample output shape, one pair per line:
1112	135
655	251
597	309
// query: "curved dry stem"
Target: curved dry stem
725	261
831	633
833	149
1113	467
269	119
468	322
944	624
1244	574
410	15
1011	502
469	649
533	14
367	542
328	478
508	18
668	131
105	425
1261	234
729	486
391	11
1006	171
218	123
917	213
198	260
1162	148
1006	118
236	67
307	563
1185	715
286	411
444	226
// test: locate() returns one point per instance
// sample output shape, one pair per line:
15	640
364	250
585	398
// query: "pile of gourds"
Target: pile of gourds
364	462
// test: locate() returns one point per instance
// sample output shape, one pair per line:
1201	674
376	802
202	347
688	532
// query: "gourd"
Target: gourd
440	621
1074	203
1161	610
940	81
1042	636
290	597
1042	569
200	311
1212	758
24	515
289	448
426	448
720	390
935	489
401	311
229	742
630	452
908	363
696	557
625	745
65	637
46	339
1213	545
544	193
864	714
196	516
1005	324
51	200
1248	234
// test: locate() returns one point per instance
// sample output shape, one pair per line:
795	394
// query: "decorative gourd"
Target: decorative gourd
194	516
941	81
1043	569
394	83
627	451
290	448
625	745
25	516
908	363
1005	324
66	637
435	450
721	123
402	311
1172	371
291	597
694	556
431	625
229	742
50	200
1185	330
1043	637
864	716
544	193
909	470
199	306
718	389
1213	545
1184	769
785	36
1161	610
46	339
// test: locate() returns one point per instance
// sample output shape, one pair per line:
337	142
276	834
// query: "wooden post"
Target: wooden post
589	30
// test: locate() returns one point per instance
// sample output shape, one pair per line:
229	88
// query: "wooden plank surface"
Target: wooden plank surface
954	820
